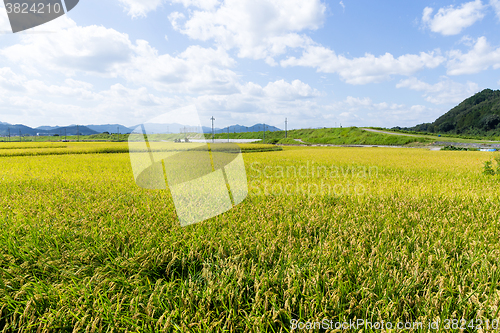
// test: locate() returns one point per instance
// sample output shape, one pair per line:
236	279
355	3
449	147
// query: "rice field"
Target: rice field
330	235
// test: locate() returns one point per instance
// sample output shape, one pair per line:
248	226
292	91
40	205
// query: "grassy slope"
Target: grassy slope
81	246
338	136
348	135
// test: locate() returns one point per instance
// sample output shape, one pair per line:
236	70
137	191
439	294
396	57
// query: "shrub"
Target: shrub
488	168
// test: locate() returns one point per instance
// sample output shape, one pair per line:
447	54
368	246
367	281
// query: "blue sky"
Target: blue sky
317	63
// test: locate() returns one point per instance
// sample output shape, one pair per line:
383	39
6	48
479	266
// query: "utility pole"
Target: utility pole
64	134
286	123
78	133
264	133
213	134
118	129
19	135
9	134
228	134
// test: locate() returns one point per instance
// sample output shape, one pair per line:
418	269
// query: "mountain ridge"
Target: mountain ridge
7	129
476	115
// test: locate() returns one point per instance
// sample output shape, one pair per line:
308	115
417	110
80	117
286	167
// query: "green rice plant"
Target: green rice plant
82	248
488	168
497	160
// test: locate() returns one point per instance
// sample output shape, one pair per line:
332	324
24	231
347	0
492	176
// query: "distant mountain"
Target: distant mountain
477	115
207	130
16	130
239	128
110	128
46	128
177	128
67	130
153	128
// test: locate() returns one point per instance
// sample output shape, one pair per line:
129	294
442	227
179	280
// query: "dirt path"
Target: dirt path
390	133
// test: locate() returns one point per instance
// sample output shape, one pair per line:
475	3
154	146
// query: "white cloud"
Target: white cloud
496	7
103	52
140	8
43	103
196	70
11	81
90	49
450	20
4	19
342	4
365	69
481	57
259	29
282	90
203	4
355	111
270	104
444	92
274	93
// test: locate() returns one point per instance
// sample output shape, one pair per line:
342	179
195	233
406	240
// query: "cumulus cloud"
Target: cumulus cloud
104	52
40	102
14	82
11	81
282	90
444	92
259	29
495	4
90	49
450	20
196	70
4	19
356	111
141	8
367	69
481	57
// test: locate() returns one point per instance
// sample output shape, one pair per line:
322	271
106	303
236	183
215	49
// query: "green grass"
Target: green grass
52	148
336	136
82	248
443	137
74	138
351	136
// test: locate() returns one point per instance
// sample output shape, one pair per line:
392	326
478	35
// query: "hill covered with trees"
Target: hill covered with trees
478	115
